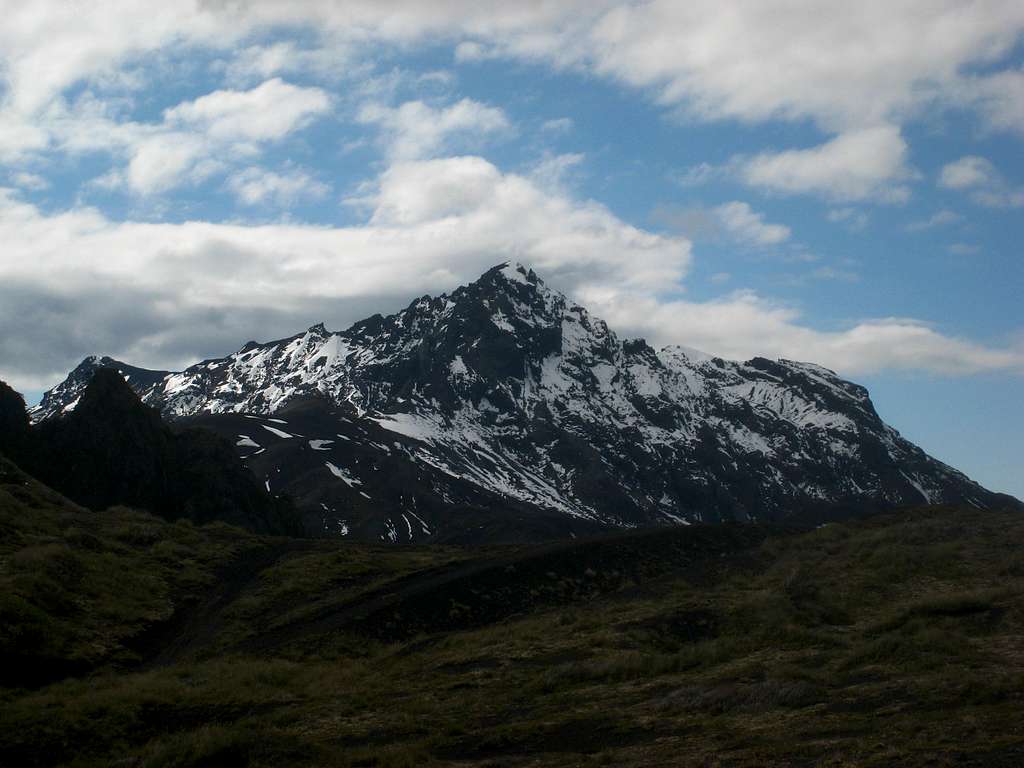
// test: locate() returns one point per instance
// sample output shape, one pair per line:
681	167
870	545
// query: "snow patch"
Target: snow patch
340	473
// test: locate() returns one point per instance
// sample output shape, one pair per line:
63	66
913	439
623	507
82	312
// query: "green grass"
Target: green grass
897	640
78	587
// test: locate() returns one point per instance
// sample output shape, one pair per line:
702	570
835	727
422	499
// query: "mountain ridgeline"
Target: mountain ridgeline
113	450
504	411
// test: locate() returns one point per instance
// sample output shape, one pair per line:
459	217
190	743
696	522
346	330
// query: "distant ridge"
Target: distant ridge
110	449
504	410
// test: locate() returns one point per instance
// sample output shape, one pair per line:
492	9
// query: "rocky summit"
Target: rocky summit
505	411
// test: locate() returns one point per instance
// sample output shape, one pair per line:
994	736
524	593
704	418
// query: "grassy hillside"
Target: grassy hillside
128	640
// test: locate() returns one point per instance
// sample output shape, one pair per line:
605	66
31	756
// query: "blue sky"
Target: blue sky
823	182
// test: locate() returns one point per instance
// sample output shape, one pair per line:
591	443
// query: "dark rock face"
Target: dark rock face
64	397
14	423
112	449
505	401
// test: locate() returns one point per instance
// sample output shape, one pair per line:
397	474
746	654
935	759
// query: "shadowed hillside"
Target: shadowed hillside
127	639
111	449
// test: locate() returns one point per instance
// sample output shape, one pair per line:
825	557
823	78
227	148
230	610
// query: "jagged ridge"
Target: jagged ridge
509	389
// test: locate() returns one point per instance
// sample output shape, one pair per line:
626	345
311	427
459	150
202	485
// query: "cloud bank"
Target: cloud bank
82	281
163	295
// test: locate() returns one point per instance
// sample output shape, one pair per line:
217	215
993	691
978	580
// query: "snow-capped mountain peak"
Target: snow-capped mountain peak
507	388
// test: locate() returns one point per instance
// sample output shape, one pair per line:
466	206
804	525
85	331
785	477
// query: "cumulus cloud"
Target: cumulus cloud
196	139
46	47
699	174
415	130
867	165
257	186
1000	99
743	324
163	160
553	170
971	171
434	224
746	225
470	50
864	165
845	66
735	220
985	184
267	112
30	181
163	294
557	125
857	71
329	60
941	218
854	219
20	136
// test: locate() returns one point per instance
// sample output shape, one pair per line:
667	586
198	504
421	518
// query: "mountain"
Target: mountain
504	410
111	449
15	429
63	398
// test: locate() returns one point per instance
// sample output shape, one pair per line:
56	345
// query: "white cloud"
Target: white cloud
844	65
1000	99
164	160
20	136
267	112
195	140
1001	197
557	125
970	171
552	170
257	186
30	181
855	220
964	249
982	180
699	174
435	224
735	220
863	165
329	61
742	325
415	130
46	47
470	51
748	226
847	67
855	70
938	219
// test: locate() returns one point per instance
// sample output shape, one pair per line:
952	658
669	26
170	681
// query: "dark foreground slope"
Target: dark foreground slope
887	641
81	589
